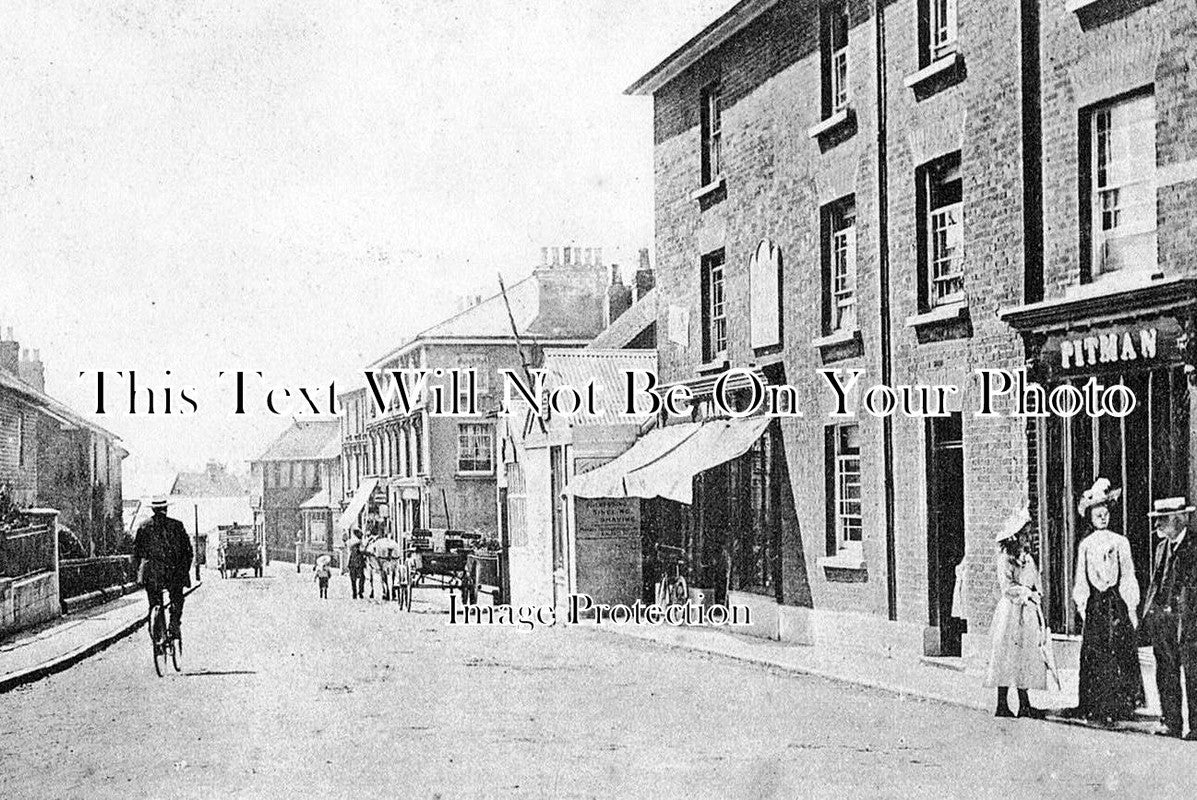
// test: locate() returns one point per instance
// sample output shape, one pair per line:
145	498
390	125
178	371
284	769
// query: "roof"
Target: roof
210	512
56	409
207	484
487	319
629	324
710	37
310	440
608	369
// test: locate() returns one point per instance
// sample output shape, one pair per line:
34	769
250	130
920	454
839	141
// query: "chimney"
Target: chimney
619	297
32	371
645	279
10	354
544	256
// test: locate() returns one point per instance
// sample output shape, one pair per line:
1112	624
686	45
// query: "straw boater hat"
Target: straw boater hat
1099	494
1013	525
159	501
1170	505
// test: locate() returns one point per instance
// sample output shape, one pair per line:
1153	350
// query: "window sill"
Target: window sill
842	560
719	364
942	70
838	119
943	313
848	336
474	474
709	189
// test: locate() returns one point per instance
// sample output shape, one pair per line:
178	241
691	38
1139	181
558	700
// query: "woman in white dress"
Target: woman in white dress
1018	632
1107	598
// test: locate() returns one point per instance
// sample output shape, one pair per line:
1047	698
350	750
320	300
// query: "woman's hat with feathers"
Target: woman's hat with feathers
1099	494
1013	524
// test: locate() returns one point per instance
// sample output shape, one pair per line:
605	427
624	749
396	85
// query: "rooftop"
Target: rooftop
307	440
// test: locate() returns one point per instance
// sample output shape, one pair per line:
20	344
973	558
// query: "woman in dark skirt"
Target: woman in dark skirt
1107	597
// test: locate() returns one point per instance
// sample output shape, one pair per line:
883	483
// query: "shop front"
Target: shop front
1138	339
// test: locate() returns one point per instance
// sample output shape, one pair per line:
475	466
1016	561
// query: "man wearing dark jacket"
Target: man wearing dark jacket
1170	613
162	558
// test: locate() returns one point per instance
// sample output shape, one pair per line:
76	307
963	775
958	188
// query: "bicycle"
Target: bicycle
164	643
672	590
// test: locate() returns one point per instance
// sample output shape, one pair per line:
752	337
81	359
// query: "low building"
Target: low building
294	485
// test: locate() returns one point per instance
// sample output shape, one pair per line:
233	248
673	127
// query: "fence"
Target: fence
79	576
28	549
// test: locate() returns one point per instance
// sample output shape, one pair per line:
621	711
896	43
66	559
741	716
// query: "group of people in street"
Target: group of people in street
1107	596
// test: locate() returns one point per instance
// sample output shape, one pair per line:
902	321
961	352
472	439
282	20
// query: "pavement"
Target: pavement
45	649
58	645
282	694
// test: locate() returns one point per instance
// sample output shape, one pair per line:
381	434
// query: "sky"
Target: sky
293	188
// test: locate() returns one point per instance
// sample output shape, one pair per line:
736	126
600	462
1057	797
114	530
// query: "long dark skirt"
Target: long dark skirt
1111	683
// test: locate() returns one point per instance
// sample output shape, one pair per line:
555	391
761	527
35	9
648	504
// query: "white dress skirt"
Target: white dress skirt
1018	633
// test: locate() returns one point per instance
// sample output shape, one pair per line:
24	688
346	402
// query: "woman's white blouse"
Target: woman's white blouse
1104	559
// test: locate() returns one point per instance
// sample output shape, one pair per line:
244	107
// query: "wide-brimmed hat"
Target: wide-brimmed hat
159	501
1099	494
1013	525
1168	506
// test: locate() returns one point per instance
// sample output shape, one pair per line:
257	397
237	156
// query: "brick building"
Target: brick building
296	486
898	193
421	469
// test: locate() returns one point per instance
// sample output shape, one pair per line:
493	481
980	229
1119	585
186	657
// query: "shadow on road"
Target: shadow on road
205	672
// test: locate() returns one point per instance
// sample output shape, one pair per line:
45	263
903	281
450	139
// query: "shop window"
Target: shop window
937	30
712	134
834	47
844	522
714	308
941	231
839	266
1121	188
475	447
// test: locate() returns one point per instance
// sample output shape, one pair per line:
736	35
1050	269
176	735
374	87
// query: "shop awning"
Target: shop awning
664	462
348	518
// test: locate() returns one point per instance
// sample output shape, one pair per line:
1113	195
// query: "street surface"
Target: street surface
284	695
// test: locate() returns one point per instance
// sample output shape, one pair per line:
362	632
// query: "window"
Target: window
844	512
474	447
714	308
941	215
839	265
835	56
20	438
937	30
712	135
1122	191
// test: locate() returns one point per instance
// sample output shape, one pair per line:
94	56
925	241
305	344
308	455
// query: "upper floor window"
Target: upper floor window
20	438
712	135
937	30
839	265
941	218
714	307
1122	190
475	447
834	36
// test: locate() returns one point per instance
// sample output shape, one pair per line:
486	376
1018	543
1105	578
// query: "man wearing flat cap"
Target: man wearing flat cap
162	558
1170	613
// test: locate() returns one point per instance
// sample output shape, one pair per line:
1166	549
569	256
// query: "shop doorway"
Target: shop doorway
945	529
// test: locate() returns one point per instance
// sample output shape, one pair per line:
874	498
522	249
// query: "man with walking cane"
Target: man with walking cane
1170	613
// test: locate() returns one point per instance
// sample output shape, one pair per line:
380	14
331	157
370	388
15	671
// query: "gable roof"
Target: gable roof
608	369
207	484
306	440
710	37
54	408
629	324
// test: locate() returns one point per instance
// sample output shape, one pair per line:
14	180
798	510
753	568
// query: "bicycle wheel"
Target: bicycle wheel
157	639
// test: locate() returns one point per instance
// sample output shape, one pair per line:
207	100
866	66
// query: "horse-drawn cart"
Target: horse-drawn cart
239	550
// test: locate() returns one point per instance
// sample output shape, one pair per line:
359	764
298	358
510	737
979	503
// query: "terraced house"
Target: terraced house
918	189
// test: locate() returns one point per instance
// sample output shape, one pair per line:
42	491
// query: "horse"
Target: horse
384	558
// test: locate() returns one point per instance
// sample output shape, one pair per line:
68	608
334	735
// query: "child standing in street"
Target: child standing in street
323	573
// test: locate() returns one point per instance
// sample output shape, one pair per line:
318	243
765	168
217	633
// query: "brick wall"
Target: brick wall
777	178
17	469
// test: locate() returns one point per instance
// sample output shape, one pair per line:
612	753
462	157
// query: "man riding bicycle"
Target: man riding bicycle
162	558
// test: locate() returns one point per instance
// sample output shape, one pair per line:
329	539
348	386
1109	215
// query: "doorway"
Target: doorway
945	530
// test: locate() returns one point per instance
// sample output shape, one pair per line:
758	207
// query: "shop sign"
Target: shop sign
1116	347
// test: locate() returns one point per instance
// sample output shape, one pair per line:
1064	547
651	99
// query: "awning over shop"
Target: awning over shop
664	462
348	518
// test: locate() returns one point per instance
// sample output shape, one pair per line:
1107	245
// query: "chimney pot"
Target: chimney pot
598	255
8	335
25	354
544	256
556	256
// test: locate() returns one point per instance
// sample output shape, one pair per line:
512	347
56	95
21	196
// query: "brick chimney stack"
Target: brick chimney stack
619	296
645	279
10	354
32	371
